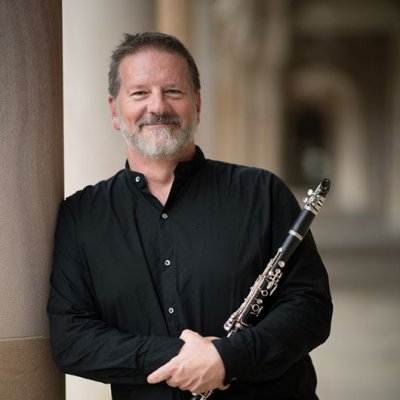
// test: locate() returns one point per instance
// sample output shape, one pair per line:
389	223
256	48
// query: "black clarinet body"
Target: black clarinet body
267	282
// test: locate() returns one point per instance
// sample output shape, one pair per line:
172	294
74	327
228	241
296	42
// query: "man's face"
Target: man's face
156	110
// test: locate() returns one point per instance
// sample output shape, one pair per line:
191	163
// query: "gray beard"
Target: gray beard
163	144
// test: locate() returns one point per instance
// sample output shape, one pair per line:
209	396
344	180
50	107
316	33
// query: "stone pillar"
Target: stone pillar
253	44
91	30
268	128
235	49
349	151
93	151
231	107
393	196
174	17
31	189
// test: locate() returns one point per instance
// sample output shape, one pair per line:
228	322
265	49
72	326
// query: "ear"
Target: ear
198	105
112	102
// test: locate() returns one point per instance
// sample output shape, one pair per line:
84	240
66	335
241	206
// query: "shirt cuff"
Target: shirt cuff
234	359
162	350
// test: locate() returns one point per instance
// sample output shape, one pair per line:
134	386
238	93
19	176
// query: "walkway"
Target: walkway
361	359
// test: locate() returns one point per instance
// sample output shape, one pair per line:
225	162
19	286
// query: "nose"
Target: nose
158	103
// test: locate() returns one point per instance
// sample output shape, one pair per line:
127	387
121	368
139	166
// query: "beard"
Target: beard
159	142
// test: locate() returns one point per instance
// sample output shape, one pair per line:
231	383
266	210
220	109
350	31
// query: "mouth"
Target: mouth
159	124
159	121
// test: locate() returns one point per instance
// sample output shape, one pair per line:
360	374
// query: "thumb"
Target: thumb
187	334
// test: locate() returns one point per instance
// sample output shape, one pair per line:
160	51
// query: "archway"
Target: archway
328	133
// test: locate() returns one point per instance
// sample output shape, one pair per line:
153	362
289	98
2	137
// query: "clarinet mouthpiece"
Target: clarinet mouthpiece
325	186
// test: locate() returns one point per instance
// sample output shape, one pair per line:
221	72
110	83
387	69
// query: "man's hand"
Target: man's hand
198	366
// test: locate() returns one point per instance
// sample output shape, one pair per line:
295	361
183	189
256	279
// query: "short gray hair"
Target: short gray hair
133	44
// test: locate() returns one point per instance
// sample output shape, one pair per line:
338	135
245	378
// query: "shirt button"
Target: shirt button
137	179
167	263
165	216
171	310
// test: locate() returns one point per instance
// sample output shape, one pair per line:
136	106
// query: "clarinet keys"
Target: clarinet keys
268	281
257	307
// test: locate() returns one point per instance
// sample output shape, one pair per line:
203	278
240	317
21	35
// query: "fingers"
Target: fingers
187	334
172	375
161	374
197	367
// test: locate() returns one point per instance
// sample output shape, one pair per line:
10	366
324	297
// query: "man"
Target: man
149	264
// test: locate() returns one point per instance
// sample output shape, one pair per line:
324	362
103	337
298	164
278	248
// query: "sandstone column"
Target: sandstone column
393	201
31	188
174	17
92	149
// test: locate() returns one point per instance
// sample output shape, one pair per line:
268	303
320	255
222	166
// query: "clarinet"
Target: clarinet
268	281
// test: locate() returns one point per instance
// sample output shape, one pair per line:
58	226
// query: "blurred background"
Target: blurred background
305	88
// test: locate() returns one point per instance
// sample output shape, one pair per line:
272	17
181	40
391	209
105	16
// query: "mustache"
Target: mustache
154	119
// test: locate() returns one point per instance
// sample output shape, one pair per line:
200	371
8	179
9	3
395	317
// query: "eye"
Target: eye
138	94
174	93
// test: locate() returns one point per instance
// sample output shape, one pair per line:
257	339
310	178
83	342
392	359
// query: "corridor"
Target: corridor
361	360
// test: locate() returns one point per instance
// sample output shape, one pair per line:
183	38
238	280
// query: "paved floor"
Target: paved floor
361	359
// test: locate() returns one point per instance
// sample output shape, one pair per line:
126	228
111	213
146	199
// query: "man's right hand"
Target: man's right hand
198	367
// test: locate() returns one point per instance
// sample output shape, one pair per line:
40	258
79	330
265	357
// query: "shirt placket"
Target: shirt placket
169	267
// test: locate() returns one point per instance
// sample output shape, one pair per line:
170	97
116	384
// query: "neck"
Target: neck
159	173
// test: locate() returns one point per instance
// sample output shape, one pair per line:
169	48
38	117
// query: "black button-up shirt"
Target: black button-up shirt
130	274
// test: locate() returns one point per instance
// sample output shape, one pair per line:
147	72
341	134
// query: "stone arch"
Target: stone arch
335	96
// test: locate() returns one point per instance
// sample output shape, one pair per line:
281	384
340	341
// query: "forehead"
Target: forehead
155	66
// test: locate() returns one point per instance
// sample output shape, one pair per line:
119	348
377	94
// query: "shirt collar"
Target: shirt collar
183	170
186	168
